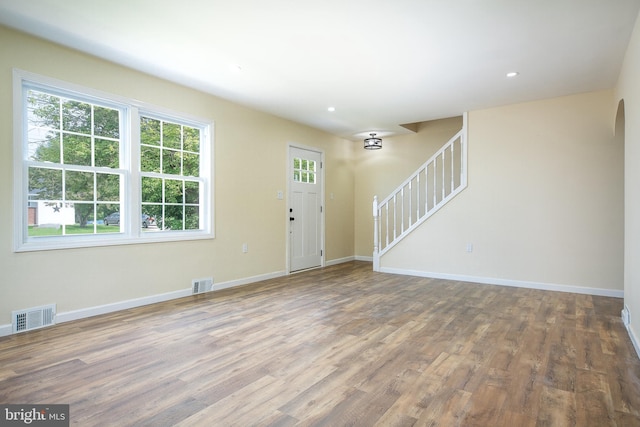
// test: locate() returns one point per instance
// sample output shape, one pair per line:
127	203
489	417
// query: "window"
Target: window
170	169
73	164
304	170
97	170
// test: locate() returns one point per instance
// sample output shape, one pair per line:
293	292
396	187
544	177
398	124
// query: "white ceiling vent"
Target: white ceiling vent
33	318
201	286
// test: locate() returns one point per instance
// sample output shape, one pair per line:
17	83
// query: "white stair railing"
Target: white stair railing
421	195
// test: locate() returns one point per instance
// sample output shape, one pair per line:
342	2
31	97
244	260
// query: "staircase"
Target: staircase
421	195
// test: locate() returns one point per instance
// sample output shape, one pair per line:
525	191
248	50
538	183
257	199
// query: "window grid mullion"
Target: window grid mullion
76	114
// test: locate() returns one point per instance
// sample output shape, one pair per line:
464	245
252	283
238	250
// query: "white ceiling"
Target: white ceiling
380	63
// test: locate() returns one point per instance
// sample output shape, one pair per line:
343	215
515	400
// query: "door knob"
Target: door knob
291	218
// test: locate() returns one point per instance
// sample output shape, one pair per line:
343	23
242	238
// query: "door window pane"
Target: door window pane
304	170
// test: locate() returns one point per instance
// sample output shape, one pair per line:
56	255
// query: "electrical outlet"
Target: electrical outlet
245	248
469	247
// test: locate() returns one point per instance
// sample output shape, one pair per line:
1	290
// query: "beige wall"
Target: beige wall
628	89
246	207
544	201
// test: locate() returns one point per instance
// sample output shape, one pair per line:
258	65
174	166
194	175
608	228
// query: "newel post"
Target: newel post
376	257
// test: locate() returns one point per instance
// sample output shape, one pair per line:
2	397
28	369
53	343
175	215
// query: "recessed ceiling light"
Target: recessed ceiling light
512	74
235	67
331	109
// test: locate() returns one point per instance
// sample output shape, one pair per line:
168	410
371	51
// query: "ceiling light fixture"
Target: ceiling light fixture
331	109
372	143
512	74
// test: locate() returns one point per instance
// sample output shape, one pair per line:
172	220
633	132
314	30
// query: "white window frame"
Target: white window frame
130	162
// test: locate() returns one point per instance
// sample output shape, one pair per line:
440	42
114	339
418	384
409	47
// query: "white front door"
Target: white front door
305	209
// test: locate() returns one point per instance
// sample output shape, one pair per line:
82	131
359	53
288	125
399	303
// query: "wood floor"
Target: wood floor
338	346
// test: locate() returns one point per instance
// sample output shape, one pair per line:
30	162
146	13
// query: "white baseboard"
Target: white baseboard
139	302
247	280
5	330
508	282
364	258
339	261
634	338
152	299
82	313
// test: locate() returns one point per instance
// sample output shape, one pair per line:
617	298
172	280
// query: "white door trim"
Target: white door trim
291	145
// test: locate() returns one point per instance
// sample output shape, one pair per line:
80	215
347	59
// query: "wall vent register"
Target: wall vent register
33	318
